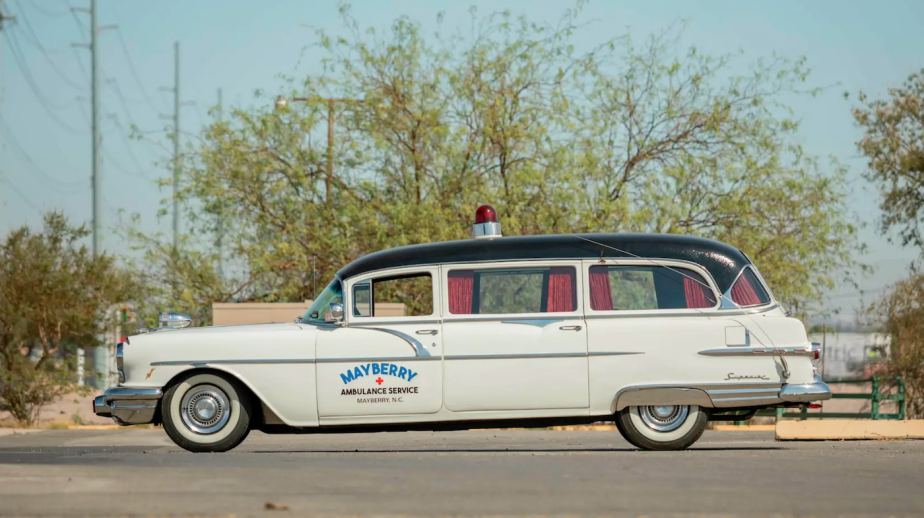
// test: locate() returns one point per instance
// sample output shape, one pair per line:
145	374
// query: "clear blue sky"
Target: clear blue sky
241	46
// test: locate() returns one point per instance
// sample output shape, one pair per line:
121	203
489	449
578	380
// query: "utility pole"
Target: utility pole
95	178
94	107
282	102
176	144
3	18
221	204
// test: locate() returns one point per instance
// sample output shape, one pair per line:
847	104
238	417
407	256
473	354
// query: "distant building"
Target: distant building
851	355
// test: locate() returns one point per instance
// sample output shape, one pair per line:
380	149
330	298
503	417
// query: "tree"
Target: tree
893	142
901	310
54	295
623	137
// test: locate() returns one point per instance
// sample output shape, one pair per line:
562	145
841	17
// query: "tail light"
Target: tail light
816	351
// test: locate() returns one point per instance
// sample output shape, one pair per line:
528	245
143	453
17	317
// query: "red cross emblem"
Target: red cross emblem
380	380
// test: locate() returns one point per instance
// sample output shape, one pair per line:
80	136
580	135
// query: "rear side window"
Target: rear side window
512	290
748	291
648	287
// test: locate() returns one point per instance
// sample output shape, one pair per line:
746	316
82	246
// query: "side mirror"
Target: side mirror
335	315
174	320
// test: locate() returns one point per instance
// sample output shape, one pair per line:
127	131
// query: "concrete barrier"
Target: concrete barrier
848	429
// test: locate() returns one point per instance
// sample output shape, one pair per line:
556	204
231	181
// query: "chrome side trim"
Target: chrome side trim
230	362
515	356
538	322
661	396
732	388
391	358
612	353
775	390
419	349
380	359
508	319
786	351
133	393
705	312
353	323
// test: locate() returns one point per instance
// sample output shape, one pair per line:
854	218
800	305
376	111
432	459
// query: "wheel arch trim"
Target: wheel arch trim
224	369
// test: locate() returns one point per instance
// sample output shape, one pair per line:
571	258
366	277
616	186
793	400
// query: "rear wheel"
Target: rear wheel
207	413
663	427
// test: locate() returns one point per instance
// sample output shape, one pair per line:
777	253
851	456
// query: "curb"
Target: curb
19	431
846	429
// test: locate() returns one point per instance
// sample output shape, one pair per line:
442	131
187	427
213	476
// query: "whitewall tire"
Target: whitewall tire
662	427
206	412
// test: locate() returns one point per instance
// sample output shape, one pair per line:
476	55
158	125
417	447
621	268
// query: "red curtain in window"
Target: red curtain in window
697	295
744	293
601	298
461	283
561	289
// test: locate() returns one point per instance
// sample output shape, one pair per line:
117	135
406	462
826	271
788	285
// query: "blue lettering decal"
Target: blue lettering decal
365	368
402	372
357	372
385	369
376	369
348	377
411	374
392	370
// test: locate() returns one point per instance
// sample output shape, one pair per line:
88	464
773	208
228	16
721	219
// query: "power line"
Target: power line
51	14
49	179
131	67
38	44
131	154
19	193
23	68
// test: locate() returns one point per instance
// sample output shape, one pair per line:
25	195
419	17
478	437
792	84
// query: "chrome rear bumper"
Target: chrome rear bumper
128	405
806	392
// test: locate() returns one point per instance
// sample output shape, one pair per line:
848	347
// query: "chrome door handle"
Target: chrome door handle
570	328
427	332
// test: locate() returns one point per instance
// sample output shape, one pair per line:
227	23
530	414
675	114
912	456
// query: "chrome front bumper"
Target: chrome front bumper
128	405
806	392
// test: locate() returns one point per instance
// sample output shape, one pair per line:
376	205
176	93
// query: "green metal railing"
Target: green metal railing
883	388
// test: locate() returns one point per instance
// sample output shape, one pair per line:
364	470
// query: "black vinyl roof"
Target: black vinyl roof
723	261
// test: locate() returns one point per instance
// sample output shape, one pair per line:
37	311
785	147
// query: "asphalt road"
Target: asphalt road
139	472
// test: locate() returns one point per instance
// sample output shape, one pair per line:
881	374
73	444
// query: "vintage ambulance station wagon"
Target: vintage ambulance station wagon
659	333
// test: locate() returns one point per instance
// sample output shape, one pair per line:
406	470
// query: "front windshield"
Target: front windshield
331	294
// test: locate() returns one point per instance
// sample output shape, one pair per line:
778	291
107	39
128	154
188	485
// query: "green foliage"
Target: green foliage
902	311
54	294
624	137
893	142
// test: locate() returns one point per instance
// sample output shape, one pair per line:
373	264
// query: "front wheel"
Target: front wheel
206	413
663	427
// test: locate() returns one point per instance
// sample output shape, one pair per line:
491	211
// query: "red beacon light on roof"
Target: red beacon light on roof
486	224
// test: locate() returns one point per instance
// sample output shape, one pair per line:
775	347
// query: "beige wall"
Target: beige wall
229	314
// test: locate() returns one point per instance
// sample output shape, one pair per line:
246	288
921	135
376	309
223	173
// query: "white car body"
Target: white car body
446	370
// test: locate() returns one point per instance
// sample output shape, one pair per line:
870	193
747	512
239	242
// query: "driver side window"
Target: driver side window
395	296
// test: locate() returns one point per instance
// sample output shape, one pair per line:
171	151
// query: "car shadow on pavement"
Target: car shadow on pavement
515	450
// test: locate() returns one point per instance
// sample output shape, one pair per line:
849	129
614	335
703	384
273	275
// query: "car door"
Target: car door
385	359
515	338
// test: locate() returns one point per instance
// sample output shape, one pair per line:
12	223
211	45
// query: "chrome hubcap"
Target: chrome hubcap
663	418
205	409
